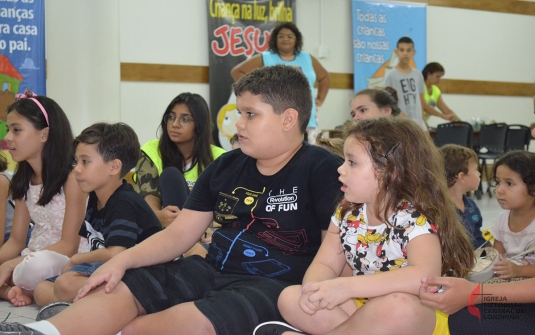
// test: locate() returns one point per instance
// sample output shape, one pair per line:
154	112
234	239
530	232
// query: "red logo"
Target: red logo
473	296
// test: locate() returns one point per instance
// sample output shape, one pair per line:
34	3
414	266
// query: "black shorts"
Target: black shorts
234	304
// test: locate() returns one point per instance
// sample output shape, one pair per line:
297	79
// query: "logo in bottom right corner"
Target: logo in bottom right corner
493	307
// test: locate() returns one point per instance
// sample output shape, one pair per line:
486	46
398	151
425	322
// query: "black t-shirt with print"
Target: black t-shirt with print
271	225
125	220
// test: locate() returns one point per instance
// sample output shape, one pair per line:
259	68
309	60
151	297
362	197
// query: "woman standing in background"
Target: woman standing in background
432	73
285	43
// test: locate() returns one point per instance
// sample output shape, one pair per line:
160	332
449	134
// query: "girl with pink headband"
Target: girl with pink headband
45	191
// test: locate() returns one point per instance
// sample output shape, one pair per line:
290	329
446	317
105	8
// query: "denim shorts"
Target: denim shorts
83	268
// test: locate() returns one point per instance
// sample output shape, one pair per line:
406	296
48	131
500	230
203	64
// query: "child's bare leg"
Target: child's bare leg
396	313
68	284
44	293
319	323
19	297
4	290
185	317
97	313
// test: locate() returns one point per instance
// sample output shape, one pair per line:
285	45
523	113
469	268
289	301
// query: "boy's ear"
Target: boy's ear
290	120
116	166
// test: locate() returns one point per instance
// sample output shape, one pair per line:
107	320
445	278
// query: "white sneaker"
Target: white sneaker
274	328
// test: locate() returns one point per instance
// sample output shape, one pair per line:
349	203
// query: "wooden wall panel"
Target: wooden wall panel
455	86
501	6
199	74
164	73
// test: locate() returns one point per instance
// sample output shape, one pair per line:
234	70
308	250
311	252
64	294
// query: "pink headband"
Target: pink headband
30	95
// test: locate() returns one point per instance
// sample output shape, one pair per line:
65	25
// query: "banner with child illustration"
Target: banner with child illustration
22	52
376	29
237	30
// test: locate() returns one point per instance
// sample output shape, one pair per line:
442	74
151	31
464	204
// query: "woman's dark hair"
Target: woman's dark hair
3	163
272	44
432	68
202	137
57	154
521	162
382	98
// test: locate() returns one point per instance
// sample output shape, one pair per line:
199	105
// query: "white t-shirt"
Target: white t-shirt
372	249
515	243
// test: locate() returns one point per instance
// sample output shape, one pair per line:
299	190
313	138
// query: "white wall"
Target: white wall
83	66
87	40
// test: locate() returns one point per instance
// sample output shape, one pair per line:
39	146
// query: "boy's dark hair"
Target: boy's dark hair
521	162
57	152
272	44
432	68
456	160
405	39
280	86
114	141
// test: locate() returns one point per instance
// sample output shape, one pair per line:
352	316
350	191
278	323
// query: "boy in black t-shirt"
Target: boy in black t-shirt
273	198
116	219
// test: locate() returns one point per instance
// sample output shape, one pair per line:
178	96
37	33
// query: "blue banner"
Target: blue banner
376	29
22	46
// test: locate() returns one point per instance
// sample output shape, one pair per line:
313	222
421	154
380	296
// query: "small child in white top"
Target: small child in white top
514	230
396	224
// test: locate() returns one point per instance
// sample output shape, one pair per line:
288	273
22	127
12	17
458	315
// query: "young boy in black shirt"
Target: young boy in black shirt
117	218
273	198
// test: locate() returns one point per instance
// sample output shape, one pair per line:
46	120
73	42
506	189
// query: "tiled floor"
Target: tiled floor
488	206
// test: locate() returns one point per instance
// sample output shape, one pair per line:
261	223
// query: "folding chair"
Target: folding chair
492	137
518	137
457	132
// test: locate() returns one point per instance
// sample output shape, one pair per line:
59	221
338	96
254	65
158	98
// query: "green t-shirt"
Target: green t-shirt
431	99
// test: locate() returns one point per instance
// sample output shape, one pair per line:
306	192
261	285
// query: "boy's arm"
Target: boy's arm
99	255
161	247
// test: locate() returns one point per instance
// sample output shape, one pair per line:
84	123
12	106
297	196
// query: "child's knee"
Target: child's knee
43	290
66	286
289	298
38	266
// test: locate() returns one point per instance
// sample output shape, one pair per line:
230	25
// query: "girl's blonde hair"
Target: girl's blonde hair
409	167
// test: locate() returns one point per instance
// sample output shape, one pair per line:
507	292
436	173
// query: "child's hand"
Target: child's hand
505	269
168	215
110	272
329	293
6	269
305	304
456	293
